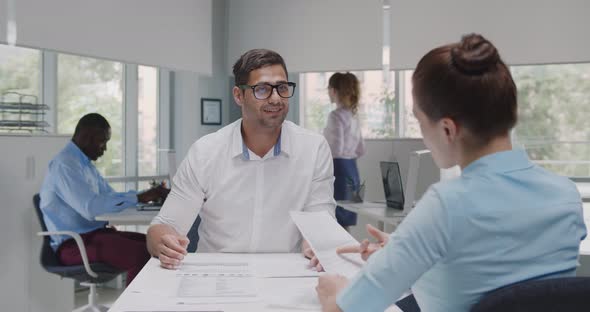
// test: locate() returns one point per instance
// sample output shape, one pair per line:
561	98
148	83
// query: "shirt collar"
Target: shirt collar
239	147
505	161
76	151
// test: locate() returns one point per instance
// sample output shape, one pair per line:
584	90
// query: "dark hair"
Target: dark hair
92	121
255	59
469	83
347	88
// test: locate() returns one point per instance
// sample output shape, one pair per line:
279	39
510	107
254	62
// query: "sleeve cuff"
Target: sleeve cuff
131	197
362	295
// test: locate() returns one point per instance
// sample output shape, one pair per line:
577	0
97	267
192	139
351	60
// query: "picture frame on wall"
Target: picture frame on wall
210	111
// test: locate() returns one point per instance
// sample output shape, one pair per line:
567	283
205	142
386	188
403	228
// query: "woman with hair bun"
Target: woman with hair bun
343	134
503	221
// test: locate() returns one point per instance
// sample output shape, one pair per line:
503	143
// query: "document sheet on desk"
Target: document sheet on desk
324	235
206	279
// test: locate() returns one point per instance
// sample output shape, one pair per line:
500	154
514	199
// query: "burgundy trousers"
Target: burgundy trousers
126	251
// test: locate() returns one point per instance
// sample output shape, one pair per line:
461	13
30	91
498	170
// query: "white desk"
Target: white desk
375	210
279	280
129	216
154	287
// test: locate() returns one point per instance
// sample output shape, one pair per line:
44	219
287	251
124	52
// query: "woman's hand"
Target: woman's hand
329	285
366	248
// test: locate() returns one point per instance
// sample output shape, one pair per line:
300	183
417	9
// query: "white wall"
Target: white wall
190	87
310	35
524	31
172	34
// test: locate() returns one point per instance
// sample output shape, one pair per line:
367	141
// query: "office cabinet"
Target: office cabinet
24	285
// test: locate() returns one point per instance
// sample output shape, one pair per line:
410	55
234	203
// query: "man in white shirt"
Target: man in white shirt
245	178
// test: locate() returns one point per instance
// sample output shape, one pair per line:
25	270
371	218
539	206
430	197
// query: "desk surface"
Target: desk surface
279	283
129	216
284	283
155	288
374	210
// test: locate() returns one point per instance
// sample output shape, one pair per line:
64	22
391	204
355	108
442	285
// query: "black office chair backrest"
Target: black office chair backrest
548	295
48	256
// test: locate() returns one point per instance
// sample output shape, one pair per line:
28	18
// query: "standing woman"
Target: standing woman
343	134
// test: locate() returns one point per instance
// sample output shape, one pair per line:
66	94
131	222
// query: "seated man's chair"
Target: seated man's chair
548	295
88	274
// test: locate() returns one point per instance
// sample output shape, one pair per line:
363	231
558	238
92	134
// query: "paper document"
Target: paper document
194	285
324	235
282	266
291	294
215	267
216	279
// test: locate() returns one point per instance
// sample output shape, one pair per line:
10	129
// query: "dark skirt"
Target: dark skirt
346	181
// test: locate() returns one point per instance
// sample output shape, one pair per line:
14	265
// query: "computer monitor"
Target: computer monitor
392	184
420	161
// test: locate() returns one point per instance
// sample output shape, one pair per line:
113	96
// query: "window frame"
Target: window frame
48	94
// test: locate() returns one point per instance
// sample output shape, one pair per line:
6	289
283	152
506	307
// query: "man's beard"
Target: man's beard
273	122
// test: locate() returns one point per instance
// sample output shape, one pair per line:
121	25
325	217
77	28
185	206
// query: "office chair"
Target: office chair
548	295
88	274
193	235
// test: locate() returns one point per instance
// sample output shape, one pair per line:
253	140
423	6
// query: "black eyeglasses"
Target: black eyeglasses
263	91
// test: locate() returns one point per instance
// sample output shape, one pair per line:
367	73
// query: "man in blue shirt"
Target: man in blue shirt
74	193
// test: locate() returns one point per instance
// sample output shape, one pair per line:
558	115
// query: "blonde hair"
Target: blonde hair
347	89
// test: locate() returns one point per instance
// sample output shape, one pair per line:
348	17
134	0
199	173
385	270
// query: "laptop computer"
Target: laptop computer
149	206
392	184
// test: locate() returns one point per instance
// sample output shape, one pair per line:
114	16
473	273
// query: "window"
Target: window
147	120
19	70
553	105
377	112
554	109
376	107
20	73
408	122
87	85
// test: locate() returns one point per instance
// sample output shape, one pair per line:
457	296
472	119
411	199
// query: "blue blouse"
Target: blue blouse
504	220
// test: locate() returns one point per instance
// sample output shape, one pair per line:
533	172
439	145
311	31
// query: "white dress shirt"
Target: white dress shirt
343	134
244	200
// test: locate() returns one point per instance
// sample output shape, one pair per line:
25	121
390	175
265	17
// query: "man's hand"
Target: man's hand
366	249
309	254
171	250
163	190
153	194
329	286
167	246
